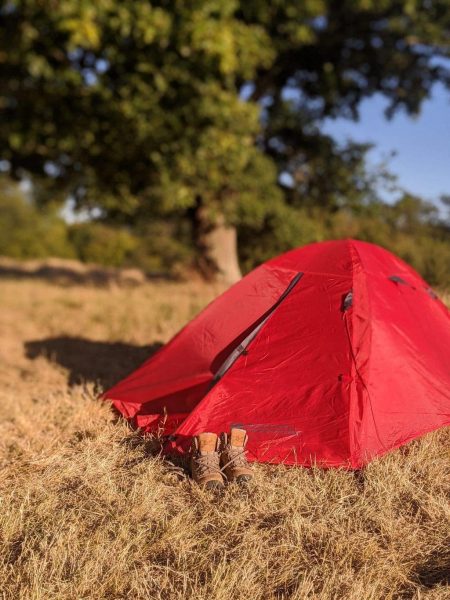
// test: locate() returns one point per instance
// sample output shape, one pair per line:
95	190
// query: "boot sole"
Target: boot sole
244	479
213	485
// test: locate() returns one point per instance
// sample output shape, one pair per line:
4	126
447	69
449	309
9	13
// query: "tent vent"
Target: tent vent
347	301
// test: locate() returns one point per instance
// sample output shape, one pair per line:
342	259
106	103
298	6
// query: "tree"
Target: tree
132	107
195	108
329	56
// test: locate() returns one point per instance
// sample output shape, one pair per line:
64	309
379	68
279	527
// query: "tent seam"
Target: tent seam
353	365
364	381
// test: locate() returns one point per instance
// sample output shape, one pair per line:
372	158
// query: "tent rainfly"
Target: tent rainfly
330	354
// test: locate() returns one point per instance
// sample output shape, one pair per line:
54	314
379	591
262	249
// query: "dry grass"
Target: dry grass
87	512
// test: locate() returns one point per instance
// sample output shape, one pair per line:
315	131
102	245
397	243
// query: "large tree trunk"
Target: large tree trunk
216	246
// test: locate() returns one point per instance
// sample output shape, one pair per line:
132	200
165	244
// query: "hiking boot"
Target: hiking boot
205	461
232	458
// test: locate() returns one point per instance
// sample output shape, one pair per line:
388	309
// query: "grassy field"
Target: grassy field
86	511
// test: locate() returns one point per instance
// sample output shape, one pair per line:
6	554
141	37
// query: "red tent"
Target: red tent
328	354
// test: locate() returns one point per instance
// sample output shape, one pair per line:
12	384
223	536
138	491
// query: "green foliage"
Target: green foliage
162	246
30	231
409	228
148	110
334	54
136	106
283	228
26	232
98	243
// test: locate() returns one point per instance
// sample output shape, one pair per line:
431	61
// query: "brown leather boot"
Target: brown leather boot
205	461
232	458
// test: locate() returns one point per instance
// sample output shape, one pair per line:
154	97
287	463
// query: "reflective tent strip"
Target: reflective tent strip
428	289
397	279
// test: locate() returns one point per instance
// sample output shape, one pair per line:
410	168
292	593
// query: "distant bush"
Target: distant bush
283	229
410	228
102	244
26	232
162	246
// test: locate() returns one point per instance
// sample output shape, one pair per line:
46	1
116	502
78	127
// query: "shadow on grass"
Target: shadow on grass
102	363
435	570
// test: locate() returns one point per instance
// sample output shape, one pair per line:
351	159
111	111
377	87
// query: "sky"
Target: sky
422	144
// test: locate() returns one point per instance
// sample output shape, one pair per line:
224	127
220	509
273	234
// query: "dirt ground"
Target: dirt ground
87	511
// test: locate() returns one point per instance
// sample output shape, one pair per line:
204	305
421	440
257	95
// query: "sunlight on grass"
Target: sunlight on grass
88	512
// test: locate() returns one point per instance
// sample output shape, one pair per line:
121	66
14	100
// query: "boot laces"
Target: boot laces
206	463
236	457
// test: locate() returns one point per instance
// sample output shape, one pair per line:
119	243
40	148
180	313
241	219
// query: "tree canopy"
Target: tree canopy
150	108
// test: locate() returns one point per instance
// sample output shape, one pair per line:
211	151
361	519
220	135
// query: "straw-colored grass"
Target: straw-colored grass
86	512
